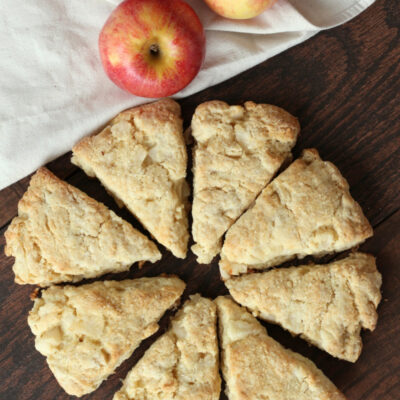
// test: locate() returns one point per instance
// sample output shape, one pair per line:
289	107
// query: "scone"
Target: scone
86	332
140	158
238	151
183	363
255	366
63	235
306	210
326	304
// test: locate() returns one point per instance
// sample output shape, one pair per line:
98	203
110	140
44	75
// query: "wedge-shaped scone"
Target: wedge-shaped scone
86	332
183	363
238	151
255	366
306	210
61	235
326	304
140	158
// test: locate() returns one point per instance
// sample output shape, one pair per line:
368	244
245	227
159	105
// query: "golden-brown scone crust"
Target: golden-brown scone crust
326	304
255	366
140	158
61	234
86	332
306	210
183	363
238	151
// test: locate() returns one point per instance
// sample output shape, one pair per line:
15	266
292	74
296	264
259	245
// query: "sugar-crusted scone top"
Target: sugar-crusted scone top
140	158
183	363
63	235
238	150
306	210
86	332
255	366
326	304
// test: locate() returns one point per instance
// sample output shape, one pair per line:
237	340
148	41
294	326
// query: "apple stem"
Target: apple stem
154	50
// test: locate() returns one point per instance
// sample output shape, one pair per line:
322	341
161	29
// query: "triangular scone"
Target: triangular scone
61	235
326	304
86	332
140	158
183	363
238	151
255	366
306	210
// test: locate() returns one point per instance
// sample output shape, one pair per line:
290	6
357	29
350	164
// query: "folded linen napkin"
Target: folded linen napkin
53	90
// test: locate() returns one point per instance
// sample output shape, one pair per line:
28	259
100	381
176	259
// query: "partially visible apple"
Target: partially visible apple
239	9
152	48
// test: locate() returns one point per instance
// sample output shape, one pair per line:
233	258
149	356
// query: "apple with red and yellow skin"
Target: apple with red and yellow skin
152	48
239	9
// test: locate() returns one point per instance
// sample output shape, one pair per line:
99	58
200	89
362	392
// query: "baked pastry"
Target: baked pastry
140	158
86	332
61	234
255	366
306	210
183	363
238	151
326	304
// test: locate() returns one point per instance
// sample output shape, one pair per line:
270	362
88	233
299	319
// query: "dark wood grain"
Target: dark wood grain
344	85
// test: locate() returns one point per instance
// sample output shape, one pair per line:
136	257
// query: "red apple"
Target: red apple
239	9
152	48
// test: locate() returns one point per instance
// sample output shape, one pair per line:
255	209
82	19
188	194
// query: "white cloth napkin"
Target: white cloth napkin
53	90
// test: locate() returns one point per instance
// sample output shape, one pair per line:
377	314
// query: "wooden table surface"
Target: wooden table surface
344	86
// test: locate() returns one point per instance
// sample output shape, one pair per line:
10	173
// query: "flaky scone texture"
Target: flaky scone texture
183	363
326	304
61	234
238	150
306	210
86	332
140	158
255	366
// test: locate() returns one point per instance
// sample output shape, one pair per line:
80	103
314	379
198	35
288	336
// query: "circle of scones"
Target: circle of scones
86	332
